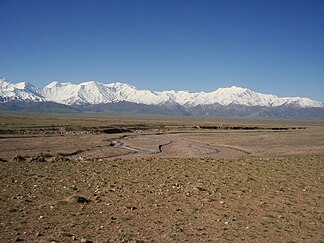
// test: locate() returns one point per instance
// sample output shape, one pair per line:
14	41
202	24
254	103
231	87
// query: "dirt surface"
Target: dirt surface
172	146
224	145
160	181
164	200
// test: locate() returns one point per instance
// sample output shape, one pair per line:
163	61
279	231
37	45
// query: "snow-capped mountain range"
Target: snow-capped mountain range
93	92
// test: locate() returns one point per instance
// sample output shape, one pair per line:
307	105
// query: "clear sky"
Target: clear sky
274	46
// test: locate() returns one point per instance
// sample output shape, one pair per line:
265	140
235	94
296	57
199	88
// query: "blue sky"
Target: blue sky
274	46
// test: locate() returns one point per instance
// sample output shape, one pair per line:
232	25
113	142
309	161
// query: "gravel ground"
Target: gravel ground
163	200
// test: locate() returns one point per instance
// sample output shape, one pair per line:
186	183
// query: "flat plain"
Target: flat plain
105	178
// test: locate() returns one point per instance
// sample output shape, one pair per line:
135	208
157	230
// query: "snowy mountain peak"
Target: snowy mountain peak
93	92
93	83
232	90
22	91
24	85
53	84
120	86
2	79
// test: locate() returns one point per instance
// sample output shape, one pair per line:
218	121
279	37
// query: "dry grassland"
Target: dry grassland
156	179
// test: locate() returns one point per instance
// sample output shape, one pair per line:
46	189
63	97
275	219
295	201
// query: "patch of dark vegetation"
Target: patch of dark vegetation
19	158
3	160
115	130
279	128
8	131
38	159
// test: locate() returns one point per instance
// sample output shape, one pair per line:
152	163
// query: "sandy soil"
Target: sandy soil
173	146
164	200
117	146
174	183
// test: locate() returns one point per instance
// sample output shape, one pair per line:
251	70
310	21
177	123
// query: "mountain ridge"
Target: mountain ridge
93	92
117	98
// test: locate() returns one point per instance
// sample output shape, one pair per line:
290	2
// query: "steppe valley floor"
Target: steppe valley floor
155	179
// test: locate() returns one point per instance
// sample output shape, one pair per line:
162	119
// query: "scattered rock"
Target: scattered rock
201	189
77	199
74	188
19	158
12	210
85	241
38	159
81	158
131	207
66	234
60	159
113	143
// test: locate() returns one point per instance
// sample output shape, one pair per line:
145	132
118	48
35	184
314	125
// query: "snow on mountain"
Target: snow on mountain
96	93
243	96
125	92
93	92
22	91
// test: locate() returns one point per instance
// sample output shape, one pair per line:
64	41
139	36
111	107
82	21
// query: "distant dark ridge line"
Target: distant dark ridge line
125	129
248	128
